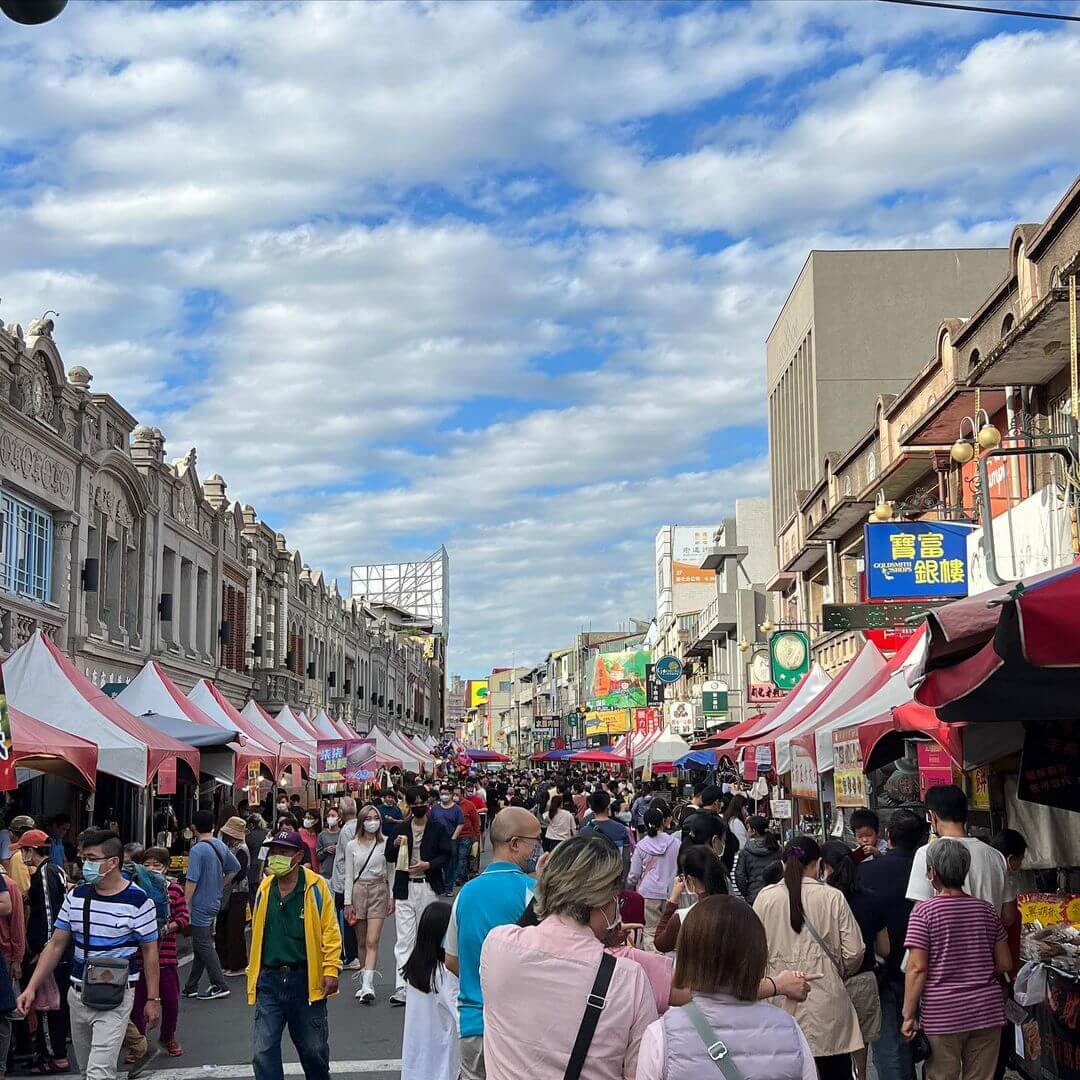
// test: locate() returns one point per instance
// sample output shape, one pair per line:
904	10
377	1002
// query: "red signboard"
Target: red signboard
935	768
764	693
890	639
648	720
166	777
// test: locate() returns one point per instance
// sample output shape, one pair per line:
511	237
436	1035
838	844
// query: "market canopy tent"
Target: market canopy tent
261	721
329	728
1010	652
40	680
479	754
153	691
844	689
221	710
414	760
287	722
387	755
597	757
46	749
908	719
216	760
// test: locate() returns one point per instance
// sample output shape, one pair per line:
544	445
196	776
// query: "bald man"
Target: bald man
498	897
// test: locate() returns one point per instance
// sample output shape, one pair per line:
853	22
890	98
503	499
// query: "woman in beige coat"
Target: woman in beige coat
788	911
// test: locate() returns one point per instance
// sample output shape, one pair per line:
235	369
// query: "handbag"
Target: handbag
105	978
47	997
594	1005
400	890
352	920
862	989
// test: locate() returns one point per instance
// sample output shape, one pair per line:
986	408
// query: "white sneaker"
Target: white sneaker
352	965
366	994
398	997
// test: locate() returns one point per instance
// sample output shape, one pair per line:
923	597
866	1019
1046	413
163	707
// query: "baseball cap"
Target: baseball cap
32	838
286	838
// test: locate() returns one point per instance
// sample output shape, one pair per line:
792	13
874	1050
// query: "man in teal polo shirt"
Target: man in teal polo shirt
498	897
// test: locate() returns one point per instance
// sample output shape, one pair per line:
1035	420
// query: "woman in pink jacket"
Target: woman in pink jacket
654	865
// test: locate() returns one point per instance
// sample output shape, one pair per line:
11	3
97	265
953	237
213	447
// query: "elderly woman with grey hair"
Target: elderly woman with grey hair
539	982
957	951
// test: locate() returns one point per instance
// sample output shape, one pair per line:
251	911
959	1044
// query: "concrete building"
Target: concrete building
854	326
119	556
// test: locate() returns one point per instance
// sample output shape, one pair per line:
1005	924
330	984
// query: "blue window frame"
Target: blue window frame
28	537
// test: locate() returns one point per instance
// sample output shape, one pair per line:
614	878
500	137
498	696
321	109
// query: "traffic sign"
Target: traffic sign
669	669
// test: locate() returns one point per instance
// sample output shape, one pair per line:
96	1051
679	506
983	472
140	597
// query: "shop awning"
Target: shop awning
597	757
482	756
42	681
706	759
44	748
908	719
387	754
1008	653
844	689
153	691
807	690
225	714
270	732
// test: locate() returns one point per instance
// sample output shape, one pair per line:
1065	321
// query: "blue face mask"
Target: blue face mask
91	871
534	858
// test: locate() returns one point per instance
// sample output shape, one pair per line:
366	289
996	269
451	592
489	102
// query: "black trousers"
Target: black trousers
348	936
229	940
834	1067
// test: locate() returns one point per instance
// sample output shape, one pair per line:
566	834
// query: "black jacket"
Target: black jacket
435	849
47	888
754	859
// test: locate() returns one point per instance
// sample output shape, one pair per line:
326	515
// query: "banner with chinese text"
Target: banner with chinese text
916	559
848	778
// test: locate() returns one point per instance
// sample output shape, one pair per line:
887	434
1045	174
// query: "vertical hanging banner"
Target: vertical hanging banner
935	768
646	721
848	777
654	686
166	776
804	777
254	775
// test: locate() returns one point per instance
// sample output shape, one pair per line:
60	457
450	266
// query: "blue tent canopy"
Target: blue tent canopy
704	758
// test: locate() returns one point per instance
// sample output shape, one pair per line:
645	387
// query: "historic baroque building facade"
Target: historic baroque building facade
120	556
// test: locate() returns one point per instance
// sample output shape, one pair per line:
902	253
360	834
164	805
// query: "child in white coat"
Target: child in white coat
429	1045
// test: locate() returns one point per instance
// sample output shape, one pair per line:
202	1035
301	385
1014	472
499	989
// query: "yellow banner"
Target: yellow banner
611	722
478	693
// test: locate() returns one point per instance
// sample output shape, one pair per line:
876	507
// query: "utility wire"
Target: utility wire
1053	16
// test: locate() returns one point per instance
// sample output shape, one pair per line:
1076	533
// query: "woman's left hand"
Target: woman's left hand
390	907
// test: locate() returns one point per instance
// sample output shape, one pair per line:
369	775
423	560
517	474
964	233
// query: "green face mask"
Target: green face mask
279	865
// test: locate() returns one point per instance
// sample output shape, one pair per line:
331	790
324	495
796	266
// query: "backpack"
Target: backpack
157	889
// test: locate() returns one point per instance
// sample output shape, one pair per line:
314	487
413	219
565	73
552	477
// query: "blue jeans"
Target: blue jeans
892	1052
462	852
281	999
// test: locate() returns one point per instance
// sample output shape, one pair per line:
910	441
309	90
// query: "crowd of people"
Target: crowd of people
613	934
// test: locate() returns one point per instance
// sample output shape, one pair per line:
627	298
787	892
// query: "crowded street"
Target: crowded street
539	540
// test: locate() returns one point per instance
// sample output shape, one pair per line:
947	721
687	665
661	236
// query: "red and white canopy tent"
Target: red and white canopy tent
329	728
221	710
41	748
851	682
657	749
387	754
290	723
411	760
423	755
271	731
153	691
40	680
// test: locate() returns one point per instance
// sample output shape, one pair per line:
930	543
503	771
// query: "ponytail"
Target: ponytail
798	854
654	821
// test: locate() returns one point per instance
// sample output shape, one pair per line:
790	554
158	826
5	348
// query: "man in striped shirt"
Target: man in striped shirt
123	924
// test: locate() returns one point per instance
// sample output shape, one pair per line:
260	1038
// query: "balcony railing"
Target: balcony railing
20	619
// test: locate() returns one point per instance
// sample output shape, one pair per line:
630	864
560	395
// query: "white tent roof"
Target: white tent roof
387	748
36	685
665	748
866	666
324	725
254	716
410	759
816	680
287	719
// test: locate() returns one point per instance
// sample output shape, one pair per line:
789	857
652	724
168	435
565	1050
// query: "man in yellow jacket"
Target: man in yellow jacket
295	961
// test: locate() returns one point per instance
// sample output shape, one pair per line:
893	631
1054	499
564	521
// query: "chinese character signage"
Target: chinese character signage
654	686
979	788
680	717
935	768
764	694
714	698
350	761
1050	768
611	722
803	772
916	559
646	721
849	779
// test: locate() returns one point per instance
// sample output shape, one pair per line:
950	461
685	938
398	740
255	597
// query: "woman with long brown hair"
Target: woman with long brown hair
368	897
810	927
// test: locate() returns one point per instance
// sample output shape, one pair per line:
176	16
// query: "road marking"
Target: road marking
292	1068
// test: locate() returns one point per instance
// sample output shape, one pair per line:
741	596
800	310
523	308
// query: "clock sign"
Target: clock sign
789	653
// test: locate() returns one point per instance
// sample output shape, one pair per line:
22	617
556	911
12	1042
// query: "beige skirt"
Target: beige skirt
371	899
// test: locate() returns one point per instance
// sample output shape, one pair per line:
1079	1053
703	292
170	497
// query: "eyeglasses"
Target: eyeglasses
533	839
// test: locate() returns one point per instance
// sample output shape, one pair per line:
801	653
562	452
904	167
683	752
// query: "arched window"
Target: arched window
1007	324
974	358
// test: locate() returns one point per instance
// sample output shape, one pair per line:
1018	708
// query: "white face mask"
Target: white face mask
309	822
446	799
616	921
332	820
371	826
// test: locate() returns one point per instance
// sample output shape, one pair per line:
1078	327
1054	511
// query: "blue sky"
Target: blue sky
492	275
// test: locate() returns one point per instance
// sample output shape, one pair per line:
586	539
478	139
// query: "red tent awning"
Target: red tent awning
37	745
910	718
598	757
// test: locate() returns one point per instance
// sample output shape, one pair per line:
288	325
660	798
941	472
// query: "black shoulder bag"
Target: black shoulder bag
105	978
593	1007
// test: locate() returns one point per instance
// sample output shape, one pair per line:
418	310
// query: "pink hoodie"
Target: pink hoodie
654	865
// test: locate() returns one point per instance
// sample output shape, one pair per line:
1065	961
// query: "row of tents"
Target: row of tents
61	723
658	750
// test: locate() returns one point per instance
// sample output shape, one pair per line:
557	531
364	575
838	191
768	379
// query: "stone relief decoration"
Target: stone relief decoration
207	526
42	327
183	507
108	497
32	464
33	391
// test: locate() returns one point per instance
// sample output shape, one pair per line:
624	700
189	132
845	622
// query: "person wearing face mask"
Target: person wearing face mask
369	901
496	897
295	961
309	833
229	937
326	844
423	846
451	817
562	962
125	929
347	813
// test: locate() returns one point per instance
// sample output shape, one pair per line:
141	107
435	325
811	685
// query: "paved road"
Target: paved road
365	1041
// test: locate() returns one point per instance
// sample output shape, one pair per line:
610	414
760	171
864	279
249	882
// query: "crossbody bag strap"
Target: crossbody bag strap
821	943
714	1046
593	1008
366	861
86	923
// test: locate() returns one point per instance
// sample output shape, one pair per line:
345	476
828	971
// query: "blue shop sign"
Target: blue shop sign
916	560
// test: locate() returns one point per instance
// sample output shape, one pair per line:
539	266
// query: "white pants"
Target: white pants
406	917
97	1034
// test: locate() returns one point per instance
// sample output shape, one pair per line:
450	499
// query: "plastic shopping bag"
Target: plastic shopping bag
1030	986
